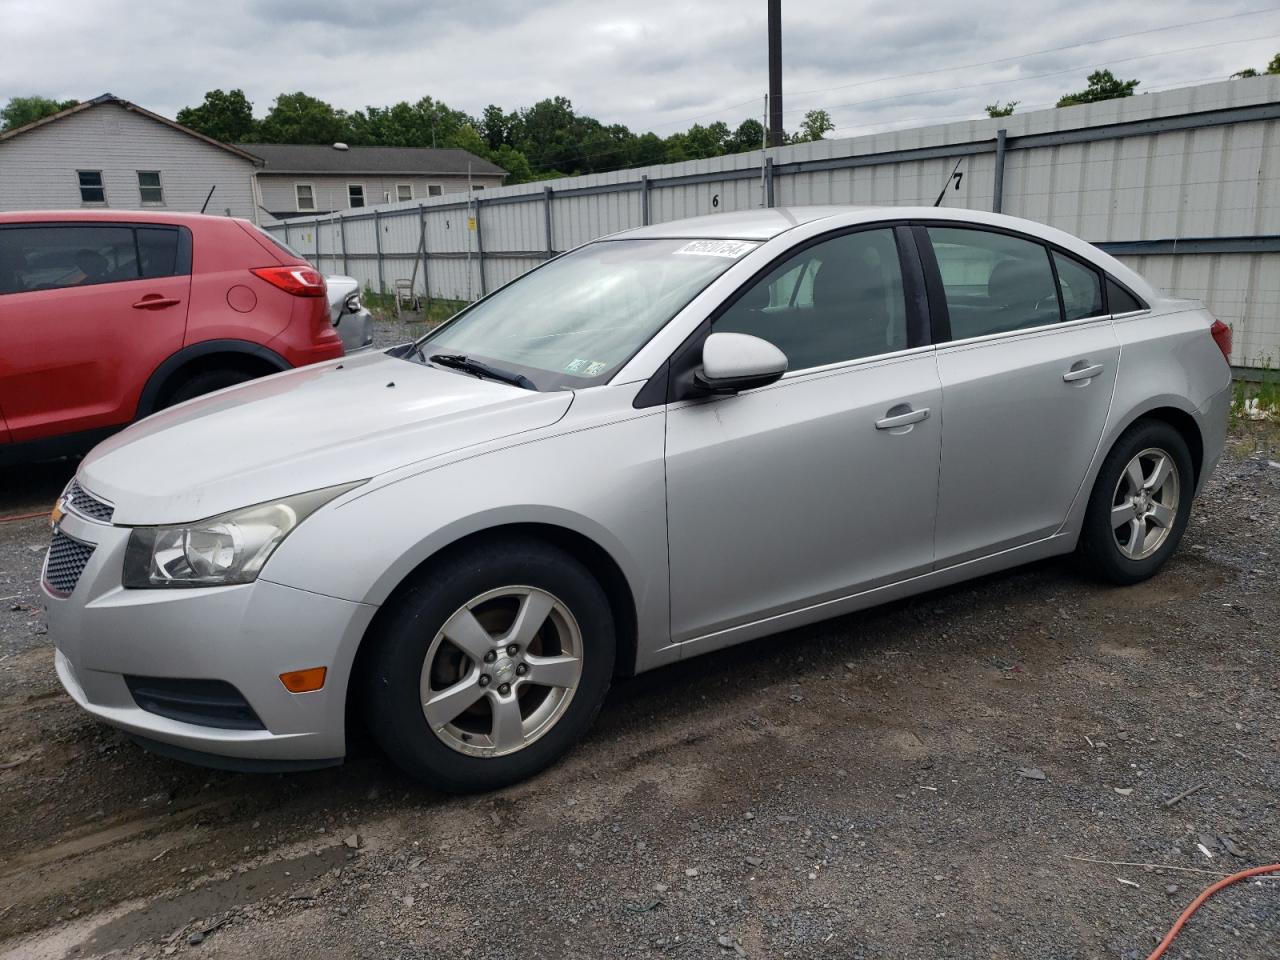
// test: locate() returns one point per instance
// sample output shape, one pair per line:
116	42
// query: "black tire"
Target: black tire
204	382
393	669
1099	551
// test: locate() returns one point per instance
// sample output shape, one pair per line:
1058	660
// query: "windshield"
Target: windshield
573	322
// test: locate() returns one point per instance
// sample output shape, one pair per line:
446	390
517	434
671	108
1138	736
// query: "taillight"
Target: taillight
1221	334
299	280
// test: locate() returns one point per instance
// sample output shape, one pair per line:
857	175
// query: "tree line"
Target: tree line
549	139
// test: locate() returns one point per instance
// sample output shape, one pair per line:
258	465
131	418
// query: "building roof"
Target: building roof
108	98
304	158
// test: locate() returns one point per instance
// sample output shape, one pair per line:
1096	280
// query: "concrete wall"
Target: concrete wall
1184	185
38	168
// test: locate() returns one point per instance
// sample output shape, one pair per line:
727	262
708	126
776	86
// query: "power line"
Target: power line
791	110
848	132
721	111
1041	76
1037	53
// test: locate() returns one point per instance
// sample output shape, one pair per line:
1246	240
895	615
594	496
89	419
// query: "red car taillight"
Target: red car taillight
1221	334
301	281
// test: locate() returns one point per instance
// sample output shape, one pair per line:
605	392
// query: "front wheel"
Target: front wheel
490	666
1140	504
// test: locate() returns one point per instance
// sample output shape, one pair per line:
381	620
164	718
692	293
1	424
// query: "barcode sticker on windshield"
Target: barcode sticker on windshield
718	248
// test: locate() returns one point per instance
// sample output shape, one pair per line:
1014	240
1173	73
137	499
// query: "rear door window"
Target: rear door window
1081	288
993	282
158	253
55	256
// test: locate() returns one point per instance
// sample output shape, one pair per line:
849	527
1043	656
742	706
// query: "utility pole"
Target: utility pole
775	73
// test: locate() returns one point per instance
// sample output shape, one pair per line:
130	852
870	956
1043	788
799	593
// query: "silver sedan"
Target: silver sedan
661	443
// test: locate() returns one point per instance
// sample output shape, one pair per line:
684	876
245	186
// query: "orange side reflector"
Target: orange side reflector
304	681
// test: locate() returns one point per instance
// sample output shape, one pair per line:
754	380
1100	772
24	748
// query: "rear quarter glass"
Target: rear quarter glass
278	251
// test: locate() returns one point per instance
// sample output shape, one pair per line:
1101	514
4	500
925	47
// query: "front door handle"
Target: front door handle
1078	372
155	302
901	416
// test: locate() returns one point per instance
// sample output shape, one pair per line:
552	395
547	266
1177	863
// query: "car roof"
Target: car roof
765	224
108	215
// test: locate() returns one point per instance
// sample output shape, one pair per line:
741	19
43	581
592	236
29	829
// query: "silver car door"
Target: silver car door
826	481
1027	380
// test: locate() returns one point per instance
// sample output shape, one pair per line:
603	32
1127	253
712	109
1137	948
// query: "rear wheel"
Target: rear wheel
491	666
1140	504
206	381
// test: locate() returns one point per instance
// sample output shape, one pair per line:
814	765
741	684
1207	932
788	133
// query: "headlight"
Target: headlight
229	548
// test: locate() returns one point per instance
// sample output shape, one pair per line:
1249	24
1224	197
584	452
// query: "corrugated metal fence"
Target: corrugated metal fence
1182	185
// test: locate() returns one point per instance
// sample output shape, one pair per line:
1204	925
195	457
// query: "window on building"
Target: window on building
404	191
434	190
477	186
150	190
91	189
355	195
306	196
993	282
838	300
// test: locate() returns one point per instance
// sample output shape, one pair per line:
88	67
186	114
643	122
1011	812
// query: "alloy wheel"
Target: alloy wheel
1144	506
501	671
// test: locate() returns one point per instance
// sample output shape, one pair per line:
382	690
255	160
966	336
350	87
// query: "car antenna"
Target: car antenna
215	187
956	176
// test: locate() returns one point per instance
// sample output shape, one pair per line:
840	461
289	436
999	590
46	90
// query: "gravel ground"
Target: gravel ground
912	781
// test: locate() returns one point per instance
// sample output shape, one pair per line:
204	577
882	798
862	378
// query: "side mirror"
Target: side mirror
737	361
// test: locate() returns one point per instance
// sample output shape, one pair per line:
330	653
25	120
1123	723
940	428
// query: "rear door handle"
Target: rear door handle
156	302
902	416
1078	372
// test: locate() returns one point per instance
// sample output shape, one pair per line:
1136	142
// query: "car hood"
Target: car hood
303	430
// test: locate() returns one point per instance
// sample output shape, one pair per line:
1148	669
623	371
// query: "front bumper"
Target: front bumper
245	635
356	330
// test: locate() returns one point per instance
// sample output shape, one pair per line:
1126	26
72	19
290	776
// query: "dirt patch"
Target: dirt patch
905	782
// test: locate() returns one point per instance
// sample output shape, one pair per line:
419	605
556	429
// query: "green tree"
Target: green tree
1103	85
495	126
748	136
548	134
20	111
299	118
1274	65
225	115
999	109
1246	72
647	150
815	125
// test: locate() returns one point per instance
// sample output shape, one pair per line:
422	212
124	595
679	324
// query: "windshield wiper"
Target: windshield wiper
457	361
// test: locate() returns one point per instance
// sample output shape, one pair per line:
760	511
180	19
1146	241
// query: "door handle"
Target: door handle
156	302
903	417
1078	372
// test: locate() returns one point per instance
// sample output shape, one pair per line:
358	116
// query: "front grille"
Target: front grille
66	561
207	703
87	505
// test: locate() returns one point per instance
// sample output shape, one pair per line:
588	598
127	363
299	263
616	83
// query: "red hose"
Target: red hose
25	516
1199	902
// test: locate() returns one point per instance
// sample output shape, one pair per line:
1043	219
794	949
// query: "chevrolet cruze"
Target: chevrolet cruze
661	443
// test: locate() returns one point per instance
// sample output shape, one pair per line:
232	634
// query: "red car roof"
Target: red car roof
111	216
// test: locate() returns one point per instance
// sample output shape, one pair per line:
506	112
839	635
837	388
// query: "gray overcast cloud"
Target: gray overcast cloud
655	65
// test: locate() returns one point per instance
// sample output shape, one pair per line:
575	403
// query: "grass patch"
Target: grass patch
432	312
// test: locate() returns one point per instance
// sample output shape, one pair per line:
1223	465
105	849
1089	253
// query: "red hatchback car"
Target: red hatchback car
108	316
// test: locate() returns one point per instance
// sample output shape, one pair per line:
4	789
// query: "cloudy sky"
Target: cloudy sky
656	64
